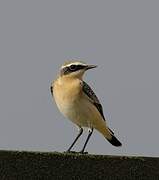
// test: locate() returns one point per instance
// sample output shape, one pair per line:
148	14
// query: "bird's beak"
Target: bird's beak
91	67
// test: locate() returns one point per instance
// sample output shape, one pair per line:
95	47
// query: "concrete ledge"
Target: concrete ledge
15	165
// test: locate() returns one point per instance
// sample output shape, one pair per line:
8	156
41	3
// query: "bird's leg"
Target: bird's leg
79	134
88	137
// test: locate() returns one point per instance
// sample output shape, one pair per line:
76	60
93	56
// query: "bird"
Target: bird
77	102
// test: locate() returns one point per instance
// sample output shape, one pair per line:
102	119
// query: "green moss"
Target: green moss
55	165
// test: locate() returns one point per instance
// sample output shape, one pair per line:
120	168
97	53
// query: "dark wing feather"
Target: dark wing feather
51	89
89	92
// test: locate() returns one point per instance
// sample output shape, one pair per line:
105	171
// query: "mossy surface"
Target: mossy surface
19	165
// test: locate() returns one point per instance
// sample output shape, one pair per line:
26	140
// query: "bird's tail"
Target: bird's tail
114	141
109	135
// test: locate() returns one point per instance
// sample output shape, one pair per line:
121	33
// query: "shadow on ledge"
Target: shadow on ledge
16	165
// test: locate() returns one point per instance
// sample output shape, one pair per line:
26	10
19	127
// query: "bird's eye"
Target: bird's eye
73	67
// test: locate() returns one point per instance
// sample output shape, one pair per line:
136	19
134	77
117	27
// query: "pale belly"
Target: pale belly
76	107
81	112
73	111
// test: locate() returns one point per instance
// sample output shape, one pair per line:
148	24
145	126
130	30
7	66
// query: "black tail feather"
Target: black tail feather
114	141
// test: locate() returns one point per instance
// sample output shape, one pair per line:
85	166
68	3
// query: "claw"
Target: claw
71	152
82	152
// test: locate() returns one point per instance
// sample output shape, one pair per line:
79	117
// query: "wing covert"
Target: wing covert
89	92
51	89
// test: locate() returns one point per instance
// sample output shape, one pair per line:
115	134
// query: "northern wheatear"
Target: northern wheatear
76	101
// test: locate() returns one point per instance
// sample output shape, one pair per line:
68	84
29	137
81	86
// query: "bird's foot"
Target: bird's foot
82	152
71	152
75	152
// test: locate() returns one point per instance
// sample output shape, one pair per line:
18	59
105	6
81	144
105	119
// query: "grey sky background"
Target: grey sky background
122	37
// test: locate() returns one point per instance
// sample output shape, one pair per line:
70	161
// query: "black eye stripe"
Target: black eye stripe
73	67
65	71
78	67
68	69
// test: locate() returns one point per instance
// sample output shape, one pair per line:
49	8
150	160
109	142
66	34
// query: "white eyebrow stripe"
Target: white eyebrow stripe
74	63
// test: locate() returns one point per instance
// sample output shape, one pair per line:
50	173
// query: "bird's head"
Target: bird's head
75	69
